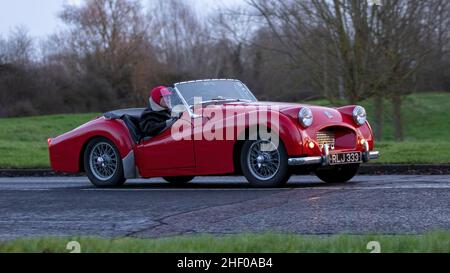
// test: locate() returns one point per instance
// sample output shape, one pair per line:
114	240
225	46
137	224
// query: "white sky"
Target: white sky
40	16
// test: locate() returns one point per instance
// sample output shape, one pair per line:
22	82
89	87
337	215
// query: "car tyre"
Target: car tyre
277	171
103	164
337	174
179	180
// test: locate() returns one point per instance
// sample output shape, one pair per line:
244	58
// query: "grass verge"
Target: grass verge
23	141
432	242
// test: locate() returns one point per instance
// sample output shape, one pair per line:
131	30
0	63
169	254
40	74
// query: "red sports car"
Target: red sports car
221	129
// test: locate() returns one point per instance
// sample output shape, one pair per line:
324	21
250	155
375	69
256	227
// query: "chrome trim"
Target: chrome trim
374	155
206	80
316	160
103	161
129	166
191	113
326	137
368	155
355	118
326	153
366	146
305	161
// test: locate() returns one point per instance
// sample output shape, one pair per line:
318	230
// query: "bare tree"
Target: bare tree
354	47
18	48
109	37
183	40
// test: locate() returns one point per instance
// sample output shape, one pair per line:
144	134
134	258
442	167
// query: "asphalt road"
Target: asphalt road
62	206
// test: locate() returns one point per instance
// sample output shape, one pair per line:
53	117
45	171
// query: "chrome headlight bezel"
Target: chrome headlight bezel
305	117
359	115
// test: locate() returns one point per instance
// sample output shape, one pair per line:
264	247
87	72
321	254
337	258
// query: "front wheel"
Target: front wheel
103	164
265	164
179	180
338	174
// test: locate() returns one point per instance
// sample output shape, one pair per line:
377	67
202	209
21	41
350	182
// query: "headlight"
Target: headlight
305	116
359	115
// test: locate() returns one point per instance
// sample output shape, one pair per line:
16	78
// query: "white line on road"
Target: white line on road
341	188
279	189
198	189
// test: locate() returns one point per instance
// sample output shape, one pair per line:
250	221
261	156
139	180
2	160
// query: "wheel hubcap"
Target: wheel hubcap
103	161
263	160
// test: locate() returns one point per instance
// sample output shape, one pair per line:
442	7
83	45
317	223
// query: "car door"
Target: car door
168	150
213	154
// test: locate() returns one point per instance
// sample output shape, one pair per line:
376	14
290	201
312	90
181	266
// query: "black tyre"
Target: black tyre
179	180
338	174
103	163
265	168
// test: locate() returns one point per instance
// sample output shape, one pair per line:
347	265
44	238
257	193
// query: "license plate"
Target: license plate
345	158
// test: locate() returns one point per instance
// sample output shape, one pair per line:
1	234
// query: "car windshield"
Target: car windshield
214	91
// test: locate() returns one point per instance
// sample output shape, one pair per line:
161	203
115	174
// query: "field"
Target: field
426	118
23	141
433	242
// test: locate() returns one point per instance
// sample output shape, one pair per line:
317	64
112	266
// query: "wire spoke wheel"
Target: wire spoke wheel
103	161
263	159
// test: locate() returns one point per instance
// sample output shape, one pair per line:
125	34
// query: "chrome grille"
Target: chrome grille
326	137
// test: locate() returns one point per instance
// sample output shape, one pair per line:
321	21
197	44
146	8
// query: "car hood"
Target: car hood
292	109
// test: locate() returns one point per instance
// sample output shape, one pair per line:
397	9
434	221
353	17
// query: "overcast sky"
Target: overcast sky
40	16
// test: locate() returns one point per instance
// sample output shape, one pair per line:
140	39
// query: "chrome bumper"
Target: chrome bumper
323	160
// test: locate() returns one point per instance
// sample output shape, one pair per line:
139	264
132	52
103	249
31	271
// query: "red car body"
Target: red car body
163	156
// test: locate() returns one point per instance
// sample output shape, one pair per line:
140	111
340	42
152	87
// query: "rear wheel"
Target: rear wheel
179	180
264	164
338	174
103	164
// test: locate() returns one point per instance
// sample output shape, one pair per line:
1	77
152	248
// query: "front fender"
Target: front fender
279	124
364	130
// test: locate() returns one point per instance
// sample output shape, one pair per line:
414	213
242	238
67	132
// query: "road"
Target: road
61	206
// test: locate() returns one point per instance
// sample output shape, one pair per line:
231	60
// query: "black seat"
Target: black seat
132	124
131	119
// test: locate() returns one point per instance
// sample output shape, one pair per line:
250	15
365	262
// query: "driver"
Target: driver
157	116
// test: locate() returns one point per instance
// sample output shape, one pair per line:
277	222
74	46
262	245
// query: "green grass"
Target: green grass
23	141
414	152
426	119
244	243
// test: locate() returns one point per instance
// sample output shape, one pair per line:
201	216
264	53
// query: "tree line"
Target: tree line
112	52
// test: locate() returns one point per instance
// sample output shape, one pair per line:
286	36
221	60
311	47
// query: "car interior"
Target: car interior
131	119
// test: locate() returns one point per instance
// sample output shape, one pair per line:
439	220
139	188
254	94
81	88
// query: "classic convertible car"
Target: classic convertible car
331	142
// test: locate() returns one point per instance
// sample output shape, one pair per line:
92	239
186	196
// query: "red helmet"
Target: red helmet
159	92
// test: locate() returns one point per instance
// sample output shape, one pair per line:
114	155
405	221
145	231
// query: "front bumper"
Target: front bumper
323	160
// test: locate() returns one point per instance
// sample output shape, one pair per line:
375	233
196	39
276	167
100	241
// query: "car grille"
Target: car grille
326	137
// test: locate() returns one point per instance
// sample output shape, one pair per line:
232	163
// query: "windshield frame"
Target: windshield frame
190	108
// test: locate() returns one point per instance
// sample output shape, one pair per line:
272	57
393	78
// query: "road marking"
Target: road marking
340	188
199	189
284	189
19	189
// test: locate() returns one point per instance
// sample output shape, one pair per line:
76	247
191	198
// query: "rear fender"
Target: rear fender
67	150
